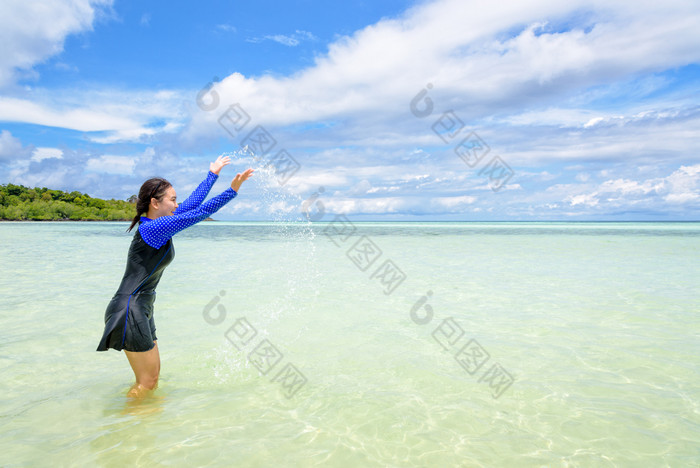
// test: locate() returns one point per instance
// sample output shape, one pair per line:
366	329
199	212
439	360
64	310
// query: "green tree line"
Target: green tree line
18	202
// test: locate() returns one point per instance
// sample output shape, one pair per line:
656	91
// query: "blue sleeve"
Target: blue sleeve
199	194
157	232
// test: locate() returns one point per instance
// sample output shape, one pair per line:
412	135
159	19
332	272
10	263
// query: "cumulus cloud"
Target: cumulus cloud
101	175
11	148
680	187
31	32
454	203
46	153
111	164
684	185
527	77
572	95
475	61
481	61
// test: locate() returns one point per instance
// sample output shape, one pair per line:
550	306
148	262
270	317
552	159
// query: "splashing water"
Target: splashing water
283	206
297	263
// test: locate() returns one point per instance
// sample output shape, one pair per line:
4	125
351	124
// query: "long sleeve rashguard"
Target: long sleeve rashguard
156	232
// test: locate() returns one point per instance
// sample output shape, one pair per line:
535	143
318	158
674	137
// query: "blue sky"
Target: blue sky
580	111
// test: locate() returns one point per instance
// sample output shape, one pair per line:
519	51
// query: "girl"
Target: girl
129	321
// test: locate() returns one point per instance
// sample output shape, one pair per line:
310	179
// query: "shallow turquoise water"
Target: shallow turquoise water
596	323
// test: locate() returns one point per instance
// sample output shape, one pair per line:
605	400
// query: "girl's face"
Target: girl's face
166	205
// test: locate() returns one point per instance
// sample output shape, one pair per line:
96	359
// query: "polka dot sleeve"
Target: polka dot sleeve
199	194
156	232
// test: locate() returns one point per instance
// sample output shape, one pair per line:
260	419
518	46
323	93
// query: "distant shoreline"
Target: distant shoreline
74	220
362	221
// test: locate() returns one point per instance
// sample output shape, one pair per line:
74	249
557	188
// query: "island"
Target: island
20	203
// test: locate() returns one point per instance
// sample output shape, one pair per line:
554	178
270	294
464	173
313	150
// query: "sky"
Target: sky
444	110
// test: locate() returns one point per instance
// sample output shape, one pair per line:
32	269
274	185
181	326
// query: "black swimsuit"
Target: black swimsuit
129	320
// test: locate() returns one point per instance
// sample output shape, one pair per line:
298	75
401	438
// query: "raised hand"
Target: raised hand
240	178
220	162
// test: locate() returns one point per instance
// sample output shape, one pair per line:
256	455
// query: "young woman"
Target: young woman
129	323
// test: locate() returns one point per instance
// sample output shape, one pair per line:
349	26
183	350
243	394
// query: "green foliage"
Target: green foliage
23	203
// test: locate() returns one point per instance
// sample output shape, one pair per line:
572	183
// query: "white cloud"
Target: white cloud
226	28
111	164
682	198
684	185
24	111
291	40
361	188
530	89
464	50
119	115
382	205
32	31
593	121
453	203
630	187
10	147
546	84
392	188
680	187
46	153
398	204
302	183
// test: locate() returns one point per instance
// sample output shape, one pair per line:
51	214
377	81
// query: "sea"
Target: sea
360	344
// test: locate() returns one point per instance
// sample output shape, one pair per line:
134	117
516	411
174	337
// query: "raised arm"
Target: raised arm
157	232
200	193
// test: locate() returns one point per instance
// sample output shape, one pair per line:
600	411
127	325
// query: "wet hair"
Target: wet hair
152	188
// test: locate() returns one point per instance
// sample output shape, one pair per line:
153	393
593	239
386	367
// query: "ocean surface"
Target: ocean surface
350	344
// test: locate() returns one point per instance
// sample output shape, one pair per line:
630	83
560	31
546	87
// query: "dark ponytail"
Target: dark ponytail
152	188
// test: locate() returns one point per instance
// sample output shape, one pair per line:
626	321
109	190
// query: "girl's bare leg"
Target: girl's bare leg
146	367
